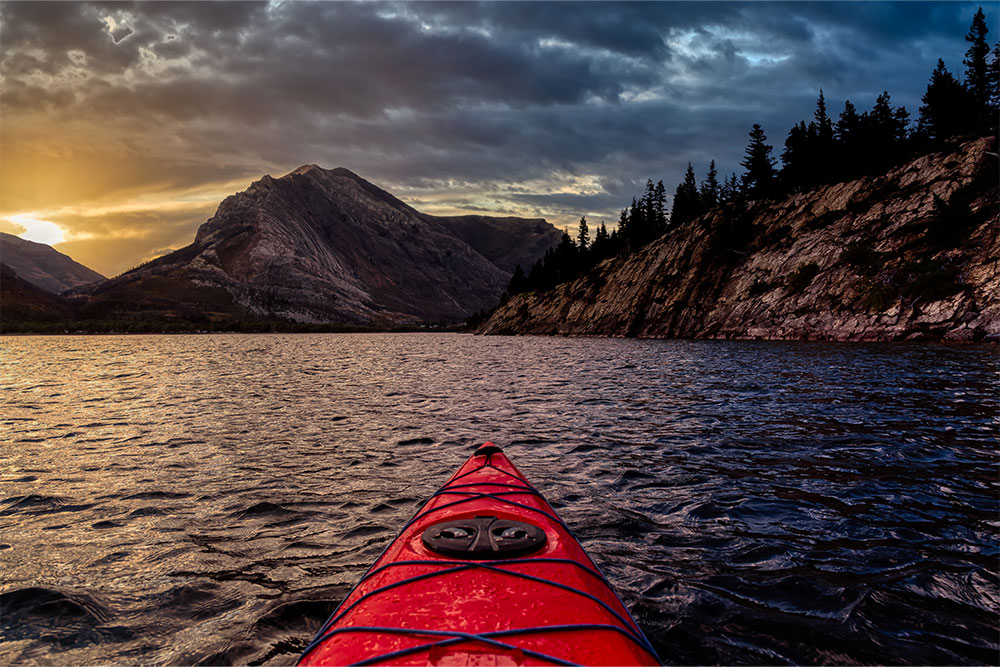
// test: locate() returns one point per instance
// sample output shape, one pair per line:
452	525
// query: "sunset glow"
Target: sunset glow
125	125
33	229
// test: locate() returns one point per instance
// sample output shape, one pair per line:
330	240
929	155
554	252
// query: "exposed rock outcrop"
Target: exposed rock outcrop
875	259
43	266
319	245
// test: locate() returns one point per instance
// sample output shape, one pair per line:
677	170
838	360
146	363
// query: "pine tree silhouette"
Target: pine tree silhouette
518	282
944	110
583	235
976	69
686	199
797	160
709	191
822	151
993	82
659	210
758	180
729	192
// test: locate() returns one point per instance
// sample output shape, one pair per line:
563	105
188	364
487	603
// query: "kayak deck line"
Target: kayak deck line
372	596
490	565
458	637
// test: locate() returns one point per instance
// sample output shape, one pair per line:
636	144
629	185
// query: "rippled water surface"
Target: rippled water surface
209	499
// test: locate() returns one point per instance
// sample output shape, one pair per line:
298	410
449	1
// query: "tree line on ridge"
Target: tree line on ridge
822	152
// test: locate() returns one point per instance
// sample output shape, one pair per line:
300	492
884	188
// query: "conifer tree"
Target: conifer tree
709	192
993	80
758	180
615	243
686	204
602	233
649	211
820	147
636	225
881	121
730	190
601	246
901	118
796	171
848	132
824	126
847	126
660	209
976	69
690	184
943	113
622	233
583	235
566	257
538	278
884	128
518	282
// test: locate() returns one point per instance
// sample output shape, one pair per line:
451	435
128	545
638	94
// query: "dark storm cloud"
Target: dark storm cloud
418	96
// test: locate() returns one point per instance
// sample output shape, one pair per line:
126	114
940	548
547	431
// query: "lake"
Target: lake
209	499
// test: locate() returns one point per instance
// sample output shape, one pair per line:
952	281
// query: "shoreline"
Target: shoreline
988	341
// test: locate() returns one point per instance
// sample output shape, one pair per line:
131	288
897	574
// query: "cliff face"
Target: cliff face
875	259
43	266
320	245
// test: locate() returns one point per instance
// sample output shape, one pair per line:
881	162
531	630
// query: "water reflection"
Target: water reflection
206	499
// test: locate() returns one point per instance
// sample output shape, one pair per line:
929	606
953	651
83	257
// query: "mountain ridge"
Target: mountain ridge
325	245
22	300
908	255
43	266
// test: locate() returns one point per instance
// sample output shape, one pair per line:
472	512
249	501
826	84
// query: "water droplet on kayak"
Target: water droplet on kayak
512	534
455	534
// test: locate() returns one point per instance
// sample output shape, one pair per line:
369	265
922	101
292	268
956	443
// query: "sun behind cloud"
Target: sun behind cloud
34	229
455	107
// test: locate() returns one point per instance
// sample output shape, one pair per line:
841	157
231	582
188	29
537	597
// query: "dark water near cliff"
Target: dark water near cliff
208	499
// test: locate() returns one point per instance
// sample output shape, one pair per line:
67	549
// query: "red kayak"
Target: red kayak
486	573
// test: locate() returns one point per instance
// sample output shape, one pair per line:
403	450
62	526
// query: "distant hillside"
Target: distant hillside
23	301
326	246
44	266
908	255
506	242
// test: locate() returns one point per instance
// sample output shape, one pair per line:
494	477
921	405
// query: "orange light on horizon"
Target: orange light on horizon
36	229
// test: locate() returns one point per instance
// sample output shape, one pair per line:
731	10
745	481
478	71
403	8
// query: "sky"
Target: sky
123	125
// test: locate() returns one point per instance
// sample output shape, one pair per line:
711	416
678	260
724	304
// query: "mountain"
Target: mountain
24	301
909	255
319	245
506	242
44	266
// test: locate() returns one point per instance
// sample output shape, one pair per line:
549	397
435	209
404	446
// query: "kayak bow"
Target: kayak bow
486	573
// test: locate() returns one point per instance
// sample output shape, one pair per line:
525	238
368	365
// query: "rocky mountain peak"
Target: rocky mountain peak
326	245
304	169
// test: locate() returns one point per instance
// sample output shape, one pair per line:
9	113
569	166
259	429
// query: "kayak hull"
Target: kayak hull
514	597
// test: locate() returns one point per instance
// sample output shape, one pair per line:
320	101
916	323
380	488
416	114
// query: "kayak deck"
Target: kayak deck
470	581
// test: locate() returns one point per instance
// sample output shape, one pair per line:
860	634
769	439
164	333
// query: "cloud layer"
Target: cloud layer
119	120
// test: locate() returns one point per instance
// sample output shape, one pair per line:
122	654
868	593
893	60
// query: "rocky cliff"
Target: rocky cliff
910	255
43	266
319	245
